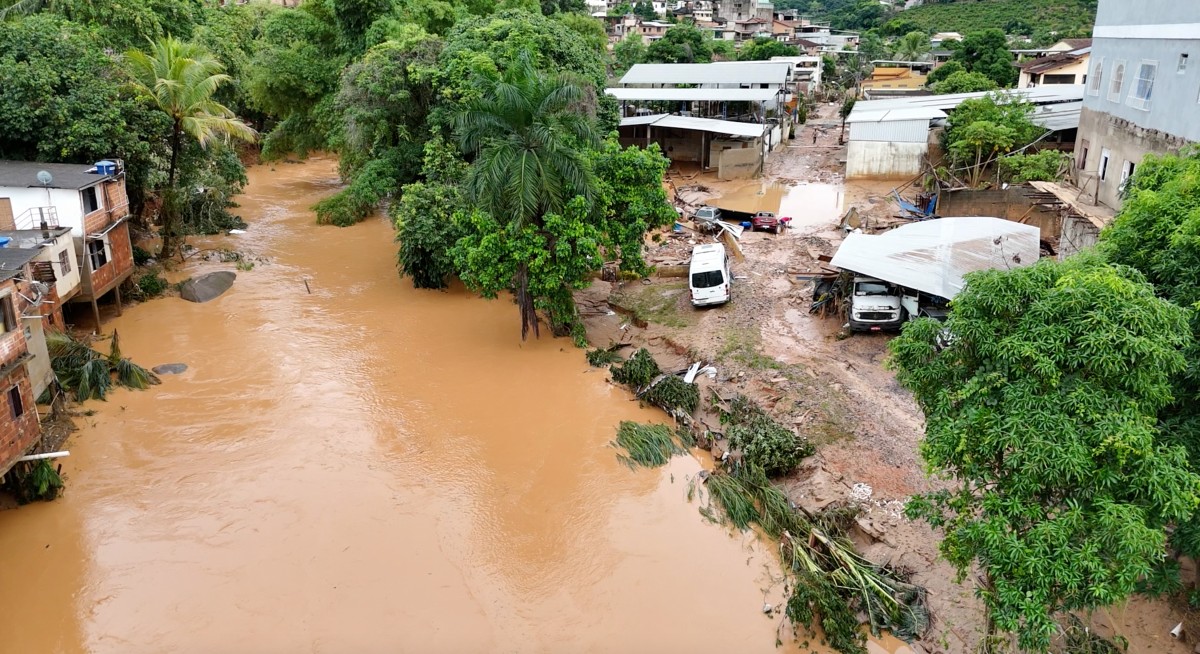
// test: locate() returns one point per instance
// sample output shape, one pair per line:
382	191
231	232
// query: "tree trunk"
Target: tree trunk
525	302
170	202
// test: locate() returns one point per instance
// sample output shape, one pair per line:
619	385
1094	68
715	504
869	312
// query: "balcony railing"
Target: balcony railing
37	218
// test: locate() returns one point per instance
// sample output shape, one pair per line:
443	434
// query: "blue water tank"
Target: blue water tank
4	241
106	167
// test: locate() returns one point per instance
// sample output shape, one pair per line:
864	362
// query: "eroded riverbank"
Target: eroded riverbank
365	468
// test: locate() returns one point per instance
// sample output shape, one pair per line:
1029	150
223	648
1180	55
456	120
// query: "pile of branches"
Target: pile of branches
828	577
89	374
32	481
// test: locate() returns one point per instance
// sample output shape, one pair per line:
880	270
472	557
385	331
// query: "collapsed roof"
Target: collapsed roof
934	255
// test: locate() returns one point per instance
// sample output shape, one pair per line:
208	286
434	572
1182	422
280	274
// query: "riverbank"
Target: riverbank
836	392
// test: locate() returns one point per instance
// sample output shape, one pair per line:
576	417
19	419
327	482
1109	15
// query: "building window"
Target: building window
15	403
1083	153
8	316
1126	171
64	261
90	202
97	250
1143	87
1094	80
1058	79
1104	156
1183	61
1118	80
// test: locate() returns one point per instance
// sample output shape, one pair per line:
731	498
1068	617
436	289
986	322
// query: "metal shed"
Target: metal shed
733	74
890	143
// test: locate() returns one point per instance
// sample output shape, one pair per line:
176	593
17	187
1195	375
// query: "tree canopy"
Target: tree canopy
1043	412
986	52
681	44
763	48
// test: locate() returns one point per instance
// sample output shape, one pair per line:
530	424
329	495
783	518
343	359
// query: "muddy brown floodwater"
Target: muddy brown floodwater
365	468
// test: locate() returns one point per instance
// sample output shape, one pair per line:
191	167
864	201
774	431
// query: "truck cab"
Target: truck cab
875	305
708	275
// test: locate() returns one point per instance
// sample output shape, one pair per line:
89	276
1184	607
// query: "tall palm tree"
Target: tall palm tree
913	46
528	135
181	79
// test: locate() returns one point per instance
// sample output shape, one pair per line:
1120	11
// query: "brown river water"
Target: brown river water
366	468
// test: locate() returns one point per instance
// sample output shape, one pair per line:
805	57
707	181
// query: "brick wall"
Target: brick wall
115	198
120	261
20	434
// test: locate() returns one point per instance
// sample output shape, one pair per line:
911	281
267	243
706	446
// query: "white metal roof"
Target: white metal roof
893	115
1039	95
685	95
933	255
729	127
749	72
1058	117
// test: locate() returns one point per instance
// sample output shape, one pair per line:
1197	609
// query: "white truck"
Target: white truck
915	270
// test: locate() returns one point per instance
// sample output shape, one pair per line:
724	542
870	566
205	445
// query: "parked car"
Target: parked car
707	214
768	221
708	275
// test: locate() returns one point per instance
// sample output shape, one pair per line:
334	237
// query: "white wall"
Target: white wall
67	201
40	373
884	160
68	280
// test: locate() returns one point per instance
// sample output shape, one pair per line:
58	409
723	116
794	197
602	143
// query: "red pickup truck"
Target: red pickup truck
769	221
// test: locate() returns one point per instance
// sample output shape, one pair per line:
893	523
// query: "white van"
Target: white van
708	276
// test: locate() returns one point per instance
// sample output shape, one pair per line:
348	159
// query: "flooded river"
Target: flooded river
366	468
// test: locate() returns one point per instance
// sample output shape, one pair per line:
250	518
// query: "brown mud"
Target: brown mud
365	467
836	392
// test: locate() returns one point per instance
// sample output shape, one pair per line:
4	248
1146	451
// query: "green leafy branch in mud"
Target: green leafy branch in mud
830	580
673	395
763	442
638	371
89	374
32	481
649	446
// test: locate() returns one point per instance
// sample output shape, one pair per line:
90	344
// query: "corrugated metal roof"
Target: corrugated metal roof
899	131
757	72
729	127
686	95
894	115
933	255
1040	95
23	174
1057	117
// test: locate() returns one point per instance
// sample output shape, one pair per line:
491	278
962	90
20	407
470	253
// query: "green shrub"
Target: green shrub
647	445
763	441
141	256
673	393
600	357
638	371
151	284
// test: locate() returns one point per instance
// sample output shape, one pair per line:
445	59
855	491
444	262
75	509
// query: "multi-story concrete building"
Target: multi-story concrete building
1143	91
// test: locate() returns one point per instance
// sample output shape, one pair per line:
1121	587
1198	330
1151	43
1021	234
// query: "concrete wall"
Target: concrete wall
111	197
1078	69
1126	143
1077	234
883	160
1009	204
738	163
68	277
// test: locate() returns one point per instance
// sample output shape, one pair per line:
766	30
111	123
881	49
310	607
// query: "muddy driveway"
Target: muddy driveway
365	468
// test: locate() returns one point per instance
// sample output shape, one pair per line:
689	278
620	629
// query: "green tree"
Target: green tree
681	44
978	144
1042	411
525	135
1044	166
118	25
963	82
763	48
645	11
630	200
629	51
726	50
354	17
426	227
986	52
180	79
590	30
913	46
623	9
942	72
899	27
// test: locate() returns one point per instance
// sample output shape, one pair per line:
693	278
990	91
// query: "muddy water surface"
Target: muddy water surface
807	204
365	468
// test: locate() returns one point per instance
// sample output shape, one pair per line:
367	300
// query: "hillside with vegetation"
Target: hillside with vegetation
1061	18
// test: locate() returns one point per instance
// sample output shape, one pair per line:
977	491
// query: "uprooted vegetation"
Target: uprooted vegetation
830	583
88	374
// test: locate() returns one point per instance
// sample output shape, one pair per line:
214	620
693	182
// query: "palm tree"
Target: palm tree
913	46
181	79
527	136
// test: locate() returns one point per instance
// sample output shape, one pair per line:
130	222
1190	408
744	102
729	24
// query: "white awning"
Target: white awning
742	72
729	127
933	255
690	95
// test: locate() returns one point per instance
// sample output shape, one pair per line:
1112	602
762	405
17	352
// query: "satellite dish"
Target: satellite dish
45	177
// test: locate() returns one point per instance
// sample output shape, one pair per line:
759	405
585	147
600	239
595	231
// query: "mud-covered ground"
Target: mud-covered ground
836	392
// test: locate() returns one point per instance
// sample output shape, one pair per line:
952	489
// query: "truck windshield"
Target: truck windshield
870	288
707	279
